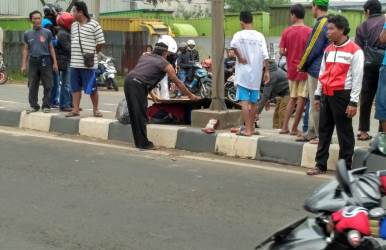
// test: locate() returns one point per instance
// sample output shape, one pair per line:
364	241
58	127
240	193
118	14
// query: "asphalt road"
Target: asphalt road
57	194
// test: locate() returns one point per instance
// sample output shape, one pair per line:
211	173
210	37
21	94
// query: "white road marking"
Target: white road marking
12	102
42	135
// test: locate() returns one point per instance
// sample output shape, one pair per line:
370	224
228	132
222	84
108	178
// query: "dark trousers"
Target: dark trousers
333	114
136	98
369	89
40	70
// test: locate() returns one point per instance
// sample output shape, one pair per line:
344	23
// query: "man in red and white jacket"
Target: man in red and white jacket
337	95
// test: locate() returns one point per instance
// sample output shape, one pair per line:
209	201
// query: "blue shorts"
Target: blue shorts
380	99
83	79
247	95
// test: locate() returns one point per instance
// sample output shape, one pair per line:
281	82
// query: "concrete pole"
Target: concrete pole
218	55
97	9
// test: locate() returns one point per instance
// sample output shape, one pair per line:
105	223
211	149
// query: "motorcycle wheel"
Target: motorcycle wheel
231	94
3	77
114	84
205	90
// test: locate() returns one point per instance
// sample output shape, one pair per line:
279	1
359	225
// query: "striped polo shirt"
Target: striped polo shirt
91	35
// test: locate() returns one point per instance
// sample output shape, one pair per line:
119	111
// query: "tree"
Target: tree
252	5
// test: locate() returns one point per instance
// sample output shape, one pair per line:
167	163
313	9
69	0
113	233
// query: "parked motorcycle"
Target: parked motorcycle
350	188
230	88
3	71
106	74
201	82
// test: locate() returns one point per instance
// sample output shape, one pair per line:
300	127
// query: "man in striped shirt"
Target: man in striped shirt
86	38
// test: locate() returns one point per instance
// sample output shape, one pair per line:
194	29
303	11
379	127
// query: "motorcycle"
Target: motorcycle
230	88
350	188
3	72
106	74
201	82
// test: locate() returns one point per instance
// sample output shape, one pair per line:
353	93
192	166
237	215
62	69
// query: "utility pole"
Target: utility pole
218	55
97	9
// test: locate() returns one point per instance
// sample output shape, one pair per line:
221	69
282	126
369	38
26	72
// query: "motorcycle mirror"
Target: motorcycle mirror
378	145
342	176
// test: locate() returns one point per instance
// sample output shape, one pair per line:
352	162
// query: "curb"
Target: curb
263	148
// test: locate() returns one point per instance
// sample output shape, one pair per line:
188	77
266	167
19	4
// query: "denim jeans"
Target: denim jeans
55	91
65	98
306	116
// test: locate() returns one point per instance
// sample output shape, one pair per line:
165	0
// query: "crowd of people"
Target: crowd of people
62	47
329	77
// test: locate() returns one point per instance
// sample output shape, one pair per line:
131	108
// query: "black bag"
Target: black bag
88	58
373	55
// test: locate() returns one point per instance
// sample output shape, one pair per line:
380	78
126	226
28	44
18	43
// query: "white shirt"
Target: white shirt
91	35
252	47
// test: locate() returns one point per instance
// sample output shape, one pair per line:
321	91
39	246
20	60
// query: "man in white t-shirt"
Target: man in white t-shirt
252	57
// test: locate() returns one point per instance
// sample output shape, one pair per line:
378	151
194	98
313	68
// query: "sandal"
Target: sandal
243	134
72	114
98	114
284	132
315	171
364	137
295	133
314	141
302	139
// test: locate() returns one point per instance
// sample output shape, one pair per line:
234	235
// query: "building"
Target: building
24	7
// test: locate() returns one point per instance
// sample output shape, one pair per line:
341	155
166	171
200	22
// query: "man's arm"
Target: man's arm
173	77
99	47
53	56
357	75
382	37
24	58
318	91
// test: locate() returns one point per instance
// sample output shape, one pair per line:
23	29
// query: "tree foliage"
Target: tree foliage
252	5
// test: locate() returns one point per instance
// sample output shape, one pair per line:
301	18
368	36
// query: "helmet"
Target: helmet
51	10
207	63
191	43
170	42
183	45
65	20
46	22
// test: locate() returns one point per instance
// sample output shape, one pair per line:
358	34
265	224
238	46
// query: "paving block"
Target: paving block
374	163
10	118
194	140
36	121
65	125
279	150
120	132
309	153
163	135
95	127
236	146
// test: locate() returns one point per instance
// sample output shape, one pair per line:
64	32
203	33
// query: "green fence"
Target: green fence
15	23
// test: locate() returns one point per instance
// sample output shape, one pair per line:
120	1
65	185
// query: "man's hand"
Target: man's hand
267	106
266	77
317	105
194	98
242	60
55	67
351	111
23	69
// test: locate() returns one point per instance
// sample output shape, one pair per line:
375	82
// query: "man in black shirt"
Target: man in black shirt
229	63
140	81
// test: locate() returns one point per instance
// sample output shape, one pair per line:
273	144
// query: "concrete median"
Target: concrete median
267	147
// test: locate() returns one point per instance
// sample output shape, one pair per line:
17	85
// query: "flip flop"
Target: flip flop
98	114
72	114
295	133
284	132
364	137
302	139
314	141
243	134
